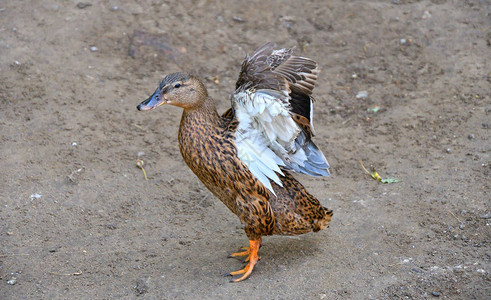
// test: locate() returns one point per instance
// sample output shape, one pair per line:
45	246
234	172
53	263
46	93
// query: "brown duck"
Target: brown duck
244	156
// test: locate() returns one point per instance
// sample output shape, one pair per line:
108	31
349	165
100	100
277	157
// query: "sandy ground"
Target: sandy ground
79	221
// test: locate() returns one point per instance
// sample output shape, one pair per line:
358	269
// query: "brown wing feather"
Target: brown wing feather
257	73
279	70
301	74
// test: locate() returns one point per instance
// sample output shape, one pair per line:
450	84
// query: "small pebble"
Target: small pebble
436	294
281	268
74	144
83	5
448	150
114	8
486	216
238	19
141	287
461	226
12	281
471	136
403	41
94	49
140	153
362	95
35	196
110	226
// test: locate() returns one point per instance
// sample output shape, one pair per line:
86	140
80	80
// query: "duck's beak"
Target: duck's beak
154	101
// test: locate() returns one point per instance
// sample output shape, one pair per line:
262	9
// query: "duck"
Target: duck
246	156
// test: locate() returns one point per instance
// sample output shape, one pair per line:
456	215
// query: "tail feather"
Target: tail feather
324	221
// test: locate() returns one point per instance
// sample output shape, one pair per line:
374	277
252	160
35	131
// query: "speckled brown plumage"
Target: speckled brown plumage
207	147
207	144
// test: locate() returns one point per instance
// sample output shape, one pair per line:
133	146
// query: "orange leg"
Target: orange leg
252	258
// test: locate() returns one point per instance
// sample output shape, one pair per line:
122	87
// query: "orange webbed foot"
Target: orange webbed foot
245	252
252	259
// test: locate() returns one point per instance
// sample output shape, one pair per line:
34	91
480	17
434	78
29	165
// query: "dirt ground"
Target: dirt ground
79	221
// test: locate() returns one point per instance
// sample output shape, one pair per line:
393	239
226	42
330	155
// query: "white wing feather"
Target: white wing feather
265	134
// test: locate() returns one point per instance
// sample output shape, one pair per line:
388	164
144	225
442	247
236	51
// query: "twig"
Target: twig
374	174
67	274
365	168
140	163
397	83
454	216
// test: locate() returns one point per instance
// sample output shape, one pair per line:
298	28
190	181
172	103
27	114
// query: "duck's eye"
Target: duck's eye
177	85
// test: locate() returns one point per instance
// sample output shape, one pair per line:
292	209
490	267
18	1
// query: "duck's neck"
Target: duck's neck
197	125
203	117
205	112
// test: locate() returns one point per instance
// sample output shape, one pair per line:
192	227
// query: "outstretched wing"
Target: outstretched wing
273	106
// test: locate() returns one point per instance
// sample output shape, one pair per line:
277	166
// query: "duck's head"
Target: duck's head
179	89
